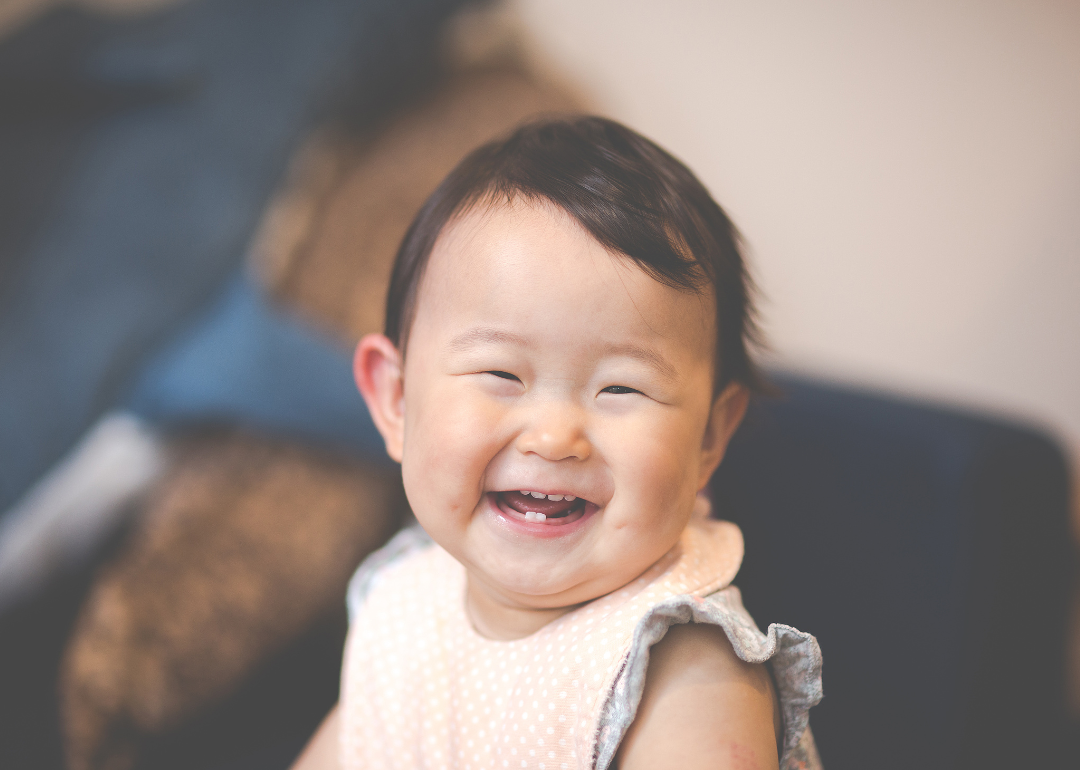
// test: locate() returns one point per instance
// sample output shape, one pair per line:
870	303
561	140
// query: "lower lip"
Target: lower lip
516	522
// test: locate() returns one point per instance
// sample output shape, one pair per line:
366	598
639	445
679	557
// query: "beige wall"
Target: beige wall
907	173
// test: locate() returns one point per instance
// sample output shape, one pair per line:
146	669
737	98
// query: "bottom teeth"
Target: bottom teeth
534	516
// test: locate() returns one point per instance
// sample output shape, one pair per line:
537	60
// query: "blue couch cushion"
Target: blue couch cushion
245	362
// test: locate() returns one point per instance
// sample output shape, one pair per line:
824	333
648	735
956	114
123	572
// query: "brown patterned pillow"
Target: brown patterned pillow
242	546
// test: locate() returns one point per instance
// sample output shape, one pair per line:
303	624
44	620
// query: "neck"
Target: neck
494	617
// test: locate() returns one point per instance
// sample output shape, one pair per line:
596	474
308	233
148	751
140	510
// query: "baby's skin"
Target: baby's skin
554	417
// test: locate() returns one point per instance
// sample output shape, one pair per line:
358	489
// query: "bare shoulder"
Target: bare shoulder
703	707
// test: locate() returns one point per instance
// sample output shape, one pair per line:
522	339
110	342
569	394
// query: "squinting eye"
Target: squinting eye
503	375
618	390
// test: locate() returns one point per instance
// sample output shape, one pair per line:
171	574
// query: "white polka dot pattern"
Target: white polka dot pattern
421	689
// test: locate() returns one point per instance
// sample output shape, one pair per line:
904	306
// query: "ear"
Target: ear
378	367
727	412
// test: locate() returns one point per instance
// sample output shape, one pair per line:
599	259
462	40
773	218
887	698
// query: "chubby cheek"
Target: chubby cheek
657	476
449	443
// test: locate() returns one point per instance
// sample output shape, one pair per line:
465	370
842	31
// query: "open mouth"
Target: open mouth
539	508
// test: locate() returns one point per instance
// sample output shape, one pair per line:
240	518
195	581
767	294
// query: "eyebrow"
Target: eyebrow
646	356
485	335
488	335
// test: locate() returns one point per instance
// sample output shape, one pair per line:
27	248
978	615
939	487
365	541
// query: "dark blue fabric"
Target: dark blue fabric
147	149
929	552
247	363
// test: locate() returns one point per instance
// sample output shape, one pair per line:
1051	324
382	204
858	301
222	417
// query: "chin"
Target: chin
541	591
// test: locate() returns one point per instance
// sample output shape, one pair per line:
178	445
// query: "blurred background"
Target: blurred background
199	204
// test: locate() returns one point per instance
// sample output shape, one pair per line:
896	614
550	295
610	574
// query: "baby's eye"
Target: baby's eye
503	375
619	390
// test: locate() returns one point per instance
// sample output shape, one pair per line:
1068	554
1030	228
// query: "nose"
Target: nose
555	431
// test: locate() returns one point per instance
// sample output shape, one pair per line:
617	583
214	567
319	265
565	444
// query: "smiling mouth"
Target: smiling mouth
544	509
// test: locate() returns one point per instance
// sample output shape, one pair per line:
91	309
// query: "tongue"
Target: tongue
525	503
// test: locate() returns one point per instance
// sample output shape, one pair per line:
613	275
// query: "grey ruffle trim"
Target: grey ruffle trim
410	539
794	656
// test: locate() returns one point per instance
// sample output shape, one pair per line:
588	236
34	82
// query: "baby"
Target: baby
565	360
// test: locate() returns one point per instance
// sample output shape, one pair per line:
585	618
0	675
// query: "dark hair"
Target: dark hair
629	194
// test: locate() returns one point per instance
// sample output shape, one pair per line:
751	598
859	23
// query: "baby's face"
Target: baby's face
540	364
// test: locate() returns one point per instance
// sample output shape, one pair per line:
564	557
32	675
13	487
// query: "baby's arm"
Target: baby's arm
702	707
321	753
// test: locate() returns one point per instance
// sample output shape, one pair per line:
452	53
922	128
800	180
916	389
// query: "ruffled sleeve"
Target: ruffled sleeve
793	655
405	542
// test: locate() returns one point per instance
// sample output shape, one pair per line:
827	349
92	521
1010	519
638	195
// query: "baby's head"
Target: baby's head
565	360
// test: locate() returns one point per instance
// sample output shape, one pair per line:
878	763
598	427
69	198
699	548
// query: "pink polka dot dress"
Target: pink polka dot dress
422	689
